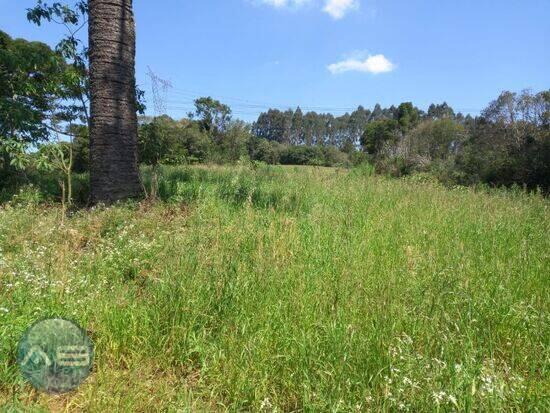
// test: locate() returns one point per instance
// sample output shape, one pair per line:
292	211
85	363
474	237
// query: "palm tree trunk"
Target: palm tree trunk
114	173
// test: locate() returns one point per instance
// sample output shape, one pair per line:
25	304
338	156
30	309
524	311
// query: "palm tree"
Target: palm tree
114	173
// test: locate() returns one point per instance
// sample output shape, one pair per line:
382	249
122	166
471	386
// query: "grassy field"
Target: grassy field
288	289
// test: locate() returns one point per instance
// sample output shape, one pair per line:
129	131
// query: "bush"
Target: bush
396	166
334	157
314	155
27	195
302	155
265	151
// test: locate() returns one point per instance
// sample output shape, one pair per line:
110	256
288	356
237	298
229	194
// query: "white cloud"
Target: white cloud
285	3
339	8
335	8
372	64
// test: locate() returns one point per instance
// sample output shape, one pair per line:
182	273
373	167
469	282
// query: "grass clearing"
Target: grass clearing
288	289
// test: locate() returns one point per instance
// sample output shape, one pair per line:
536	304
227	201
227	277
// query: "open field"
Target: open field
288	289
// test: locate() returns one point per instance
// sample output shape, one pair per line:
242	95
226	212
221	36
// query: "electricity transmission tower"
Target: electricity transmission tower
160	88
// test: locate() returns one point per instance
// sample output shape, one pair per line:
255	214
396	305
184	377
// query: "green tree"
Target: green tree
510	143
378	134
212	115
262	150
298	127
271	125
33	79
156	141
81	147
198	145
163	140
408	116
436	140
442	111
357	124
234	142
35	84
73	18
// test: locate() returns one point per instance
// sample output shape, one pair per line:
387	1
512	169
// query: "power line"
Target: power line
251	107
255	104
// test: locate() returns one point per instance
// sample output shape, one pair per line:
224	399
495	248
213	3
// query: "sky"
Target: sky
330	55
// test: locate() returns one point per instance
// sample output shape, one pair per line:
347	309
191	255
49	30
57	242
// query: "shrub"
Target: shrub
302	155
27	195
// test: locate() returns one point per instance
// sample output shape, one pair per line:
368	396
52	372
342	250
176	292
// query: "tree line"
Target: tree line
507	144
46	122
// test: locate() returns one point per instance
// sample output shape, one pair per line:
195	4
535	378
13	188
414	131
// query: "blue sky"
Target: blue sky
332	54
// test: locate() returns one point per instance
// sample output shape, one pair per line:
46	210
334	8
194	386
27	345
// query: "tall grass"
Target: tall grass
288	289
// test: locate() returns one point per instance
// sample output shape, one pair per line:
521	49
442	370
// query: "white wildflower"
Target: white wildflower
439	396
452	399
266	404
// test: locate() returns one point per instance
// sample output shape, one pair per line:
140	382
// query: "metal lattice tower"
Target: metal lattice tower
160	88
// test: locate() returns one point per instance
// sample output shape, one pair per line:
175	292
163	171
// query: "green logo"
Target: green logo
55	355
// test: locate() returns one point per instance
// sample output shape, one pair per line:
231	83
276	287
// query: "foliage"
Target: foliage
507	145
510	144
28	195
33	81
73	16
58	156
158	142
408	116
265	151
233	144
295	128
164	140
81	147
378	134
213	116
302	155
14	155
440	111
438	139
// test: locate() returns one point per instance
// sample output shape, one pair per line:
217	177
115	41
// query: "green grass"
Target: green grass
288	289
